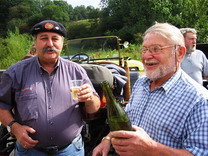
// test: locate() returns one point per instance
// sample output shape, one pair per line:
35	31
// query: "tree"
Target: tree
65	7
56	13
130	18
92	13
4	14
80	13
127	19
195	15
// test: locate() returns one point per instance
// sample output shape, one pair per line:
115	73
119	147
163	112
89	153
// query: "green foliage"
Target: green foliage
102	53
78	29
14	48
25	13
55	12
83	28
133	51
126	19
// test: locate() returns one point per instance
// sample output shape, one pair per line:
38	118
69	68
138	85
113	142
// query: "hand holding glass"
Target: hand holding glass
75	88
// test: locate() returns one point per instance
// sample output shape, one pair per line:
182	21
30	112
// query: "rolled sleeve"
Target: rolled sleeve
197	137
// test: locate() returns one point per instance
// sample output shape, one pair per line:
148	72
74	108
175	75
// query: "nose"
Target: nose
49	43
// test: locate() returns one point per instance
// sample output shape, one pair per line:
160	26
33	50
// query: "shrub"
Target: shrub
13	48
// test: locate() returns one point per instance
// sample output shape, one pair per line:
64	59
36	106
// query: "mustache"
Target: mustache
50	49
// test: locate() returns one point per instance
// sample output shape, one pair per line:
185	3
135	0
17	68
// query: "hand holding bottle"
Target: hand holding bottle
137	141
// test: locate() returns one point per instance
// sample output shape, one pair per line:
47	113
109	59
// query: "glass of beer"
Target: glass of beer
75	88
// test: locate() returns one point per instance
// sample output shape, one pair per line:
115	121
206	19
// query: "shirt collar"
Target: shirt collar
41	68
172	81
168	84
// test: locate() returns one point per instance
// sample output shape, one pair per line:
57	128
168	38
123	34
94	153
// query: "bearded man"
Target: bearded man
167	108
195	63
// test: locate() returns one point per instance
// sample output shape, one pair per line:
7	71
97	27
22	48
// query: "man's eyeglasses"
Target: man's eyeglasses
155	49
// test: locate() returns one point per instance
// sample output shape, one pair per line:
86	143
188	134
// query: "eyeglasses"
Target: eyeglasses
154	49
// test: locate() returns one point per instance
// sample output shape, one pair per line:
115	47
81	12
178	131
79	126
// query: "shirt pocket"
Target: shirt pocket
26	103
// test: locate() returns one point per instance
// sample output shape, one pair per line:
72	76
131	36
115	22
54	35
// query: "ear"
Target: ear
181	52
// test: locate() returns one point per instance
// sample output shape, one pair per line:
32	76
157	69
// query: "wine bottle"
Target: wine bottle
116	116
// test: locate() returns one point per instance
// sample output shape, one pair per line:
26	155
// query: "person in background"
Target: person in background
46	120
167	108
195	63
32	52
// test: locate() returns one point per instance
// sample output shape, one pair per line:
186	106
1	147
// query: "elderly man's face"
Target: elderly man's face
49	46
161	64
190	42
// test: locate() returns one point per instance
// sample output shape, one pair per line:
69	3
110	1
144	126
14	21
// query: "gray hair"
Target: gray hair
184	31
167	31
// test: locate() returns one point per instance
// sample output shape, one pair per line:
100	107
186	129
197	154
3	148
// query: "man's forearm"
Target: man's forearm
6	117
93	105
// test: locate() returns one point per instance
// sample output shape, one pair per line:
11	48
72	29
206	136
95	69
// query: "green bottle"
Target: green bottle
116	116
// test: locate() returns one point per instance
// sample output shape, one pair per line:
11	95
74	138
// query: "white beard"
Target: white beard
190	50
162	70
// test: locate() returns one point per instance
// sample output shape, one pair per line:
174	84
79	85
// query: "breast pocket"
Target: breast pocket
26	102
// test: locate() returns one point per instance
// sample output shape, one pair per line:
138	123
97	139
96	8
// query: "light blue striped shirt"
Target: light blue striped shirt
174	114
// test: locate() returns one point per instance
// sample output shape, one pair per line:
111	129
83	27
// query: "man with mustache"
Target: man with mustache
45	119
195	63
167	108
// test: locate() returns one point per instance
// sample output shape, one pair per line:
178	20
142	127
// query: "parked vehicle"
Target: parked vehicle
101	58
101	48
203	47
104	50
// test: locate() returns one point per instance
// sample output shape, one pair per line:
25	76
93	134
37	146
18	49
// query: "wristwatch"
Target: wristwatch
9	126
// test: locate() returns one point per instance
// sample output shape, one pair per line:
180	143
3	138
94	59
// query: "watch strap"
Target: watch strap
11	123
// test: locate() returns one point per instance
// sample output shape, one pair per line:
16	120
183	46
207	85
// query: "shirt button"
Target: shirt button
51	123
49	107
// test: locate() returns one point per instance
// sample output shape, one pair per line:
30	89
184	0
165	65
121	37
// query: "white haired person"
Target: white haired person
168	109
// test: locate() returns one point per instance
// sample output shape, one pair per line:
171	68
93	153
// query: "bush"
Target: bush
133	51
14	48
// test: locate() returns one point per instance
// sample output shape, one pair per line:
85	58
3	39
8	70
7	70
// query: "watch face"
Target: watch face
10	125
8	128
